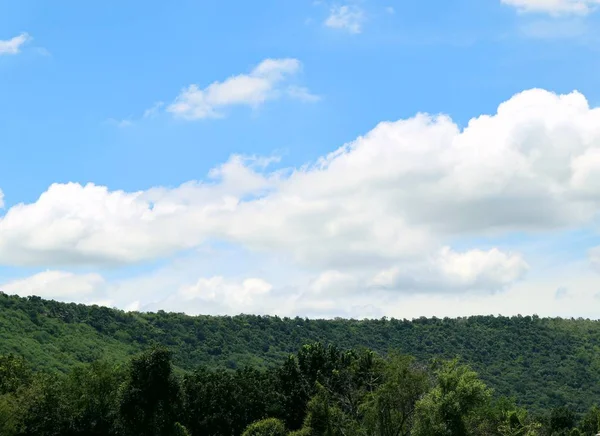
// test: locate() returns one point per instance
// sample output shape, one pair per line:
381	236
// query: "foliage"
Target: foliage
9	416
14	372
590	423
389	409
150	396
266	427
68	369
446	409
516	423
322	390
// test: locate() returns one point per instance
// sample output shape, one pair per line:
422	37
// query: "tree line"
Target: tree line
321	390
542	362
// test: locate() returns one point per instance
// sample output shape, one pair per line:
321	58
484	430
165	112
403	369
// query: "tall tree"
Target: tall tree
91	393
445	409
389	410
150	397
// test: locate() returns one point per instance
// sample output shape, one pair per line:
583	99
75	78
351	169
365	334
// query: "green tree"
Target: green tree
10	422
14	373
293	391
45	408
266	427
590	423
91	395
516	423
562	420
150	397
389	410
226	402
325	418
445	409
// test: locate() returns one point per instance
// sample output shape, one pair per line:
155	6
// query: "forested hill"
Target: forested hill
542	362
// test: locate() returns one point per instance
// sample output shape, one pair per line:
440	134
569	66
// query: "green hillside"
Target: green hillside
543	362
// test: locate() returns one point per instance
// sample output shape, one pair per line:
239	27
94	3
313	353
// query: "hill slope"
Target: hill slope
543	362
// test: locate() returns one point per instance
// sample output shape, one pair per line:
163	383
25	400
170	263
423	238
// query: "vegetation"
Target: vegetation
320	391
543	363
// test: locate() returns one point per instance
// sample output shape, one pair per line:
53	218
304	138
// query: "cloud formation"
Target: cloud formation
328	295
13	46
347	17
379	213
221	296
265	82
555	7
448	270
57	285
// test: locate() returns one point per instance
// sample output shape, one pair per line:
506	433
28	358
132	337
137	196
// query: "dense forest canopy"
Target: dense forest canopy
543	363
319	391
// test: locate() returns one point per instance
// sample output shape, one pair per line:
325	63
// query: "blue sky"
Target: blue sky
159	155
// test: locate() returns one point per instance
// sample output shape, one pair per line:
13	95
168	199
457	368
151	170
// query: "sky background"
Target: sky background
359	159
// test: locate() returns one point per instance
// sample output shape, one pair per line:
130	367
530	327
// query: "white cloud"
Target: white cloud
393	198
303	94
261	84
332	283
448	270
329	294
13	45
59	285
594	255
222	296
75	224
554	7
347	17
528	297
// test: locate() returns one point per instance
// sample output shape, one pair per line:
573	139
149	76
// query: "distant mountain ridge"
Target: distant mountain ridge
543	362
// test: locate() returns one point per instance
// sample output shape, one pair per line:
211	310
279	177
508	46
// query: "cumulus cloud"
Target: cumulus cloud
450	271
222	296
76	224
330	294
347	17
13	46
334	283
82	224
445	271
265	82
389	201
57	285
555	7
538	296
